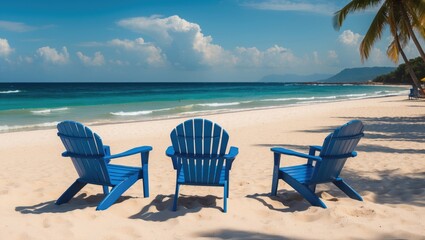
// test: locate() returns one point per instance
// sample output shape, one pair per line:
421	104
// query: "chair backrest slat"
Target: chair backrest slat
336	147
86	151
189	137
180	137
199	126
208	126
216	139
199	145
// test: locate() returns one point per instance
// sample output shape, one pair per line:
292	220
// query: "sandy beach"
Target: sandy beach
389	173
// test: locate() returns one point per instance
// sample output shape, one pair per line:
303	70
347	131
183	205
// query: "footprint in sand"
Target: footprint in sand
46	223
362	212
326	196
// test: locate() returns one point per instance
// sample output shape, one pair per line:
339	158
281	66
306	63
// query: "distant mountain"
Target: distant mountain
355	75
294	78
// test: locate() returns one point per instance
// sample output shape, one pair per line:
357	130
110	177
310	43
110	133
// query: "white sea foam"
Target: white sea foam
218	104
285	99
355	95
316	101
204	111
49	110
10	91
296	99
364	97
189	106
330	97
137	113
6	128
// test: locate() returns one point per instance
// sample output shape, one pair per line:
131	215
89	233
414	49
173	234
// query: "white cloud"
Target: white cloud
53	56
378	57
5	49
274	57
316	57
332	54
249	57
96	60
15	26
25	59
147	51
277	56
119	62
318	7
350	38
183	42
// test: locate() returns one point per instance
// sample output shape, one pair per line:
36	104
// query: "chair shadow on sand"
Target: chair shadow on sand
239	235
290	201
79	202
160	208
388	185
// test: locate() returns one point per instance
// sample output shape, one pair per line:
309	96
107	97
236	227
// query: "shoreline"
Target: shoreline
21	128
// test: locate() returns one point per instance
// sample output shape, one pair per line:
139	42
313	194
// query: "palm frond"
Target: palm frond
393	52
416	10
374	32
353	6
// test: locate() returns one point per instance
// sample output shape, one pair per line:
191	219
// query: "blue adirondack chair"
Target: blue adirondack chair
413	93
91	160
198	154
324	168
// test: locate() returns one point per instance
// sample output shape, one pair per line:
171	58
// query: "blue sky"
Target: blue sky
159	40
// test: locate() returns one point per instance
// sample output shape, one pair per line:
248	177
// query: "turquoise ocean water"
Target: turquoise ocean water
25	106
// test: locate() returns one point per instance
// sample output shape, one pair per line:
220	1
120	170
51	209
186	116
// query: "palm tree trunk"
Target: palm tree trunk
409	68
411	32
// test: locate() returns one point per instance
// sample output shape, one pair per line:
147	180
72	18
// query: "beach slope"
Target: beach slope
389	173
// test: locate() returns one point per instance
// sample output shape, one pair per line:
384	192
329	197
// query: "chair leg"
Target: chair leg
145	182
312	187
305	191
226	189
275	179
116	192
227	182
347	189
176	196
105	190
70	192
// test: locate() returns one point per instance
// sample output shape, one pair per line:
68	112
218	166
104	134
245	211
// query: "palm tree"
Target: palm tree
400	31
400	15
412	13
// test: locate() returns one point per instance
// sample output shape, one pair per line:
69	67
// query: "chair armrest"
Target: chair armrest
296	154
65	154
353	154
312	152
315	148
170	151
233	152
133	151
107	150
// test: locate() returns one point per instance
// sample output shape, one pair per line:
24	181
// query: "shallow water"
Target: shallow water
26	106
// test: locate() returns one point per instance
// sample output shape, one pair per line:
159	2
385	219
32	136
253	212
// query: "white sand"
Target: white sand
389	173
